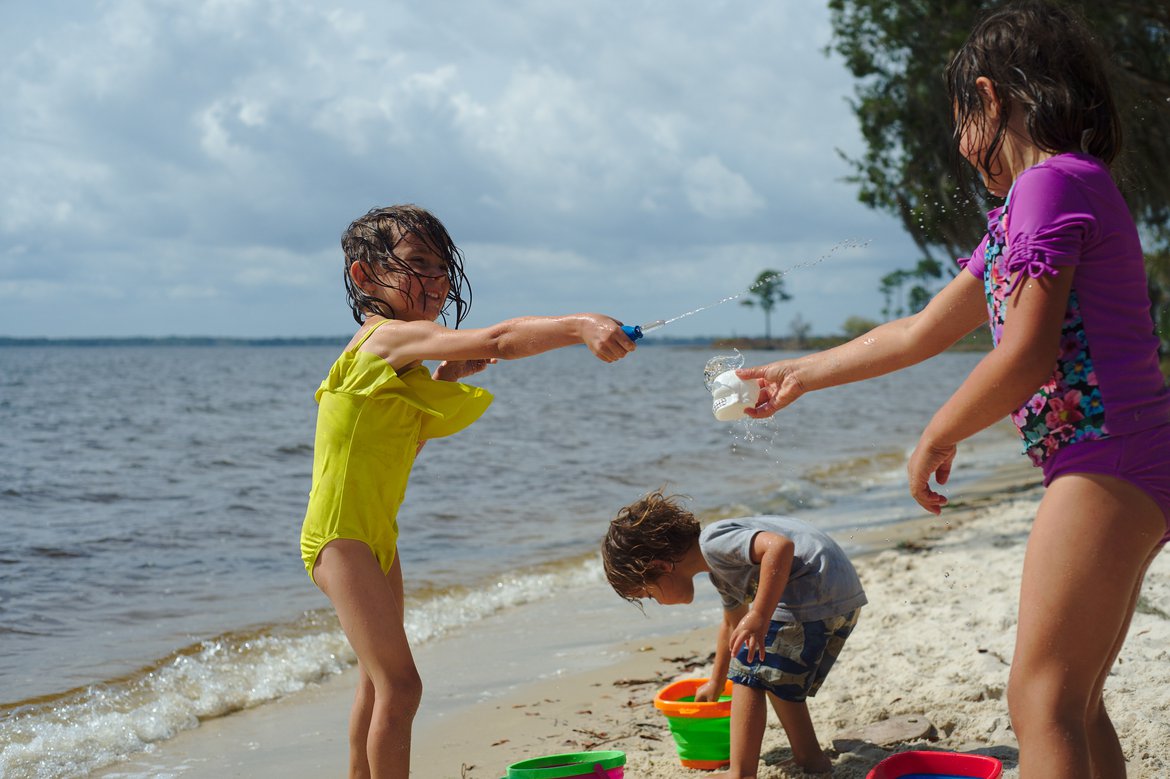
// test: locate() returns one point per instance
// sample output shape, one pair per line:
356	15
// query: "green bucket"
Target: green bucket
702	731
608	764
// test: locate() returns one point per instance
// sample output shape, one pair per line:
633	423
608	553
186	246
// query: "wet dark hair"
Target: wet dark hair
1043	61
371	240
654	528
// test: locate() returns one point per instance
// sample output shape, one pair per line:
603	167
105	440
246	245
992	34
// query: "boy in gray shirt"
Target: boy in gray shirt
790	599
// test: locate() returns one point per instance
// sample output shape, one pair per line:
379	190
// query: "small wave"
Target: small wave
101	497
6	630
84	729
848	471
298	450
81	730
57	552
434	615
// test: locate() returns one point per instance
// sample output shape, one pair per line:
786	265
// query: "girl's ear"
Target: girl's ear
360	275
988	96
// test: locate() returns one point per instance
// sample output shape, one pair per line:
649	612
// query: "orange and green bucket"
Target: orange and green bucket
701	730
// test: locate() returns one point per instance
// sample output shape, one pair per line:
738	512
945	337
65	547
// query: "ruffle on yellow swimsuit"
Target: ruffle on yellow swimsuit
370	421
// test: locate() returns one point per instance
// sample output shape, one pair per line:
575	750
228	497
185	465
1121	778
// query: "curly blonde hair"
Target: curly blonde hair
655	528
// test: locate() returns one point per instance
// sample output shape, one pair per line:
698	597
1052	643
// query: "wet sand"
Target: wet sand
926	668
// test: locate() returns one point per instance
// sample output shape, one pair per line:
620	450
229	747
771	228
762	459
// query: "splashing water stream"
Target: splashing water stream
848	244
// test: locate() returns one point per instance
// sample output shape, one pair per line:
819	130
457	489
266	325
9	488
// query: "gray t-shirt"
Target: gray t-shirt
822	583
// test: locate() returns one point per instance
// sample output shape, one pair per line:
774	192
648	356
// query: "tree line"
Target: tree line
910	167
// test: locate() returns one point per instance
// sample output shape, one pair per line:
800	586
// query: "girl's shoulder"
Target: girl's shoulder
1064	171
1065	191
371	334
404	343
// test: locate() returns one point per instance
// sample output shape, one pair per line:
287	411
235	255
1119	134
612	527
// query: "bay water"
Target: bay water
151	498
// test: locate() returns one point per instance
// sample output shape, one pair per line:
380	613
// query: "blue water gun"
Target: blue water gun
637	331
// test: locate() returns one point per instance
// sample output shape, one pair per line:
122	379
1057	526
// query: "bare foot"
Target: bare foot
821	766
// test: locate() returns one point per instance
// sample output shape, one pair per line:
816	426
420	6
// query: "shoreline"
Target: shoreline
933	646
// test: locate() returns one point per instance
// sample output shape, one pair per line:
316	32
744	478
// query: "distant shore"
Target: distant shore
810	343
174	340
978	341
212	340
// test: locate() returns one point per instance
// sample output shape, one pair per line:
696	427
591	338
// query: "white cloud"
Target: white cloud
610	155
714	190
514	260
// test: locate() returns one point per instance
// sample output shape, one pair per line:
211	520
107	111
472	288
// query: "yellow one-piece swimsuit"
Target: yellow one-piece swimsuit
370	421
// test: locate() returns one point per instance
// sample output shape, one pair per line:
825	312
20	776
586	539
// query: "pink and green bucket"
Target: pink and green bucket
609	764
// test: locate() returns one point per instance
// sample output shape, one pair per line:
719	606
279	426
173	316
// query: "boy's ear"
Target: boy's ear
661	566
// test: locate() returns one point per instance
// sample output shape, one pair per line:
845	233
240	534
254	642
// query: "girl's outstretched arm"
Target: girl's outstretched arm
954	312
1001	382
402	343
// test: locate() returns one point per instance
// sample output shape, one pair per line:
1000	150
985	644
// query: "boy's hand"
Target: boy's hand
709	691
751	631
605	338
454	370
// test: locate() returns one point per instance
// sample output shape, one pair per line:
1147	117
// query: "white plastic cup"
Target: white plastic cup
731	396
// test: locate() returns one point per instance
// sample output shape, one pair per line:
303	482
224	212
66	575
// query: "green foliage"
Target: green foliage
1158	269
768	290
856	325
898	51
898	302
800	330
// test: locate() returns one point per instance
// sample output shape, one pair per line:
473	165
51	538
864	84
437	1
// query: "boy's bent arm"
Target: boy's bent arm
714	686
773	552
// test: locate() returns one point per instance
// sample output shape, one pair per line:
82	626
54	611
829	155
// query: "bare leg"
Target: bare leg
1104	748
749	716
369	606
359	726
1091	541
802	736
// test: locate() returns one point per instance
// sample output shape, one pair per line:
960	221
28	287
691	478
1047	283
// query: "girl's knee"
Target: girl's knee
1036	700
402	691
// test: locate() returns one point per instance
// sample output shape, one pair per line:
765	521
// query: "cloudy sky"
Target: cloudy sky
186	168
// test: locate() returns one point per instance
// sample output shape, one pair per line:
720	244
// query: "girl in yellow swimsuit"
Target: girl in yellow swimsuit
376	409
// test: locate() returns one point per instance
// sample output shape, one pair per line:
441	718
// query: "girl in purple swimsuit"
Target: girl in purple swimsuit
1061	277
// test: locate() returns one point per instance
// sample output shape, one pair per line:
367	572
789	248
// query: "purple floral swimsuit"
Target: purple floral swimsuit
1067	408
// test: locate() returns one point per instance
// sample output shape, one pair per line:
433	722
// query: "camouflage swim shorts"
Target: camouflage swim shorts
798	656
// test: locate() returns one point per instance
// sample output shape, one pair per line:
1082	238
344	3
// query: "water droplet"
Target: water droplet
721	364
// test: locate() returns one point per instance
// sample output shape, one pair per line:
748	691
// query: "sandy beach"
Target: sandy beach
926	669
